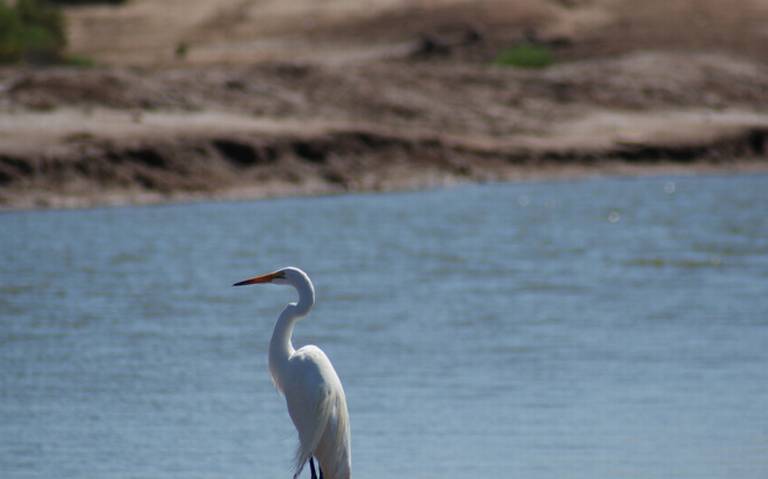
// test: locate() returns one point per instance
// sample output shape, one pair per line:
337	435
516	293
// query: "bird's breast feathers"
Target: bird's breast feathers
310	362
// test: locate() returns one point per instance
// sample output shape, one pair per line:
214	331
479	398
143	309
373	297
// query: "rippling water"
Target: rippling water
590	329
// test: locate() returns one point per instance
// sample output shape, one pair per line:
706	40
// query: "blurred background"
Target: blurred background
152	101
536	229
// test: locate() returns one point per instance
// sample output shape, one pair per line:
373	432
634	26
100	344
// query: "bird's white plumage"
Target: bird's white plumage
313	392
318	408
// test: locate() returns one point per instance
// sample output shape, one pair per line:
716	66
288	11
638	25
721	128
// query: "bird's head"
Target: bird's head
290	276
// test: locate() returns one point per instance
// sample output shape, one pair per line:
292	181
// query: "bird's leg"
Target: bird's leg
312	468
320	469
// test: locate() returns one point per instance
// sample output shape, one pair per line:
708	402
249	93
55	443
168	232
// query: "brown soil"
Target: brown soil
331	96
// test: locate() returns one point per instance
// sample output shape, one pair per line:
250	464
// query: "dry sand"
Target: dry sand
305	97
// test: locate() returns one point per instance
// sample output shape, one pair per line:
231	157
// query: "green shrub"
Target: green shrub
32	31
85	2
526	55
10	27
79	61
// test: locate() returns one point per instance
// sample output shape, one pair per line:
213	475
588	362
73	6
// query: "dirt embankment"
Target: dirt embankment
383	98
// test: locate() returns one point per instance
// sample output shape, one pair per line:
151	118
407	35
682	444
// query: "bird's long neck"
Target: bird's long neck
281	347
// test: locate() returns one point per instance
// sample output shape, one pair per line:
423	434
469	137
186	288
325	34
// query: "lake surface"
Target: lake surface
608	328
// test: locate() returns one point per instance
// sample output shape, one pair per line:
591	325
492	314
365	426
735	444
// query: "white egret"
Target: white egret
312	389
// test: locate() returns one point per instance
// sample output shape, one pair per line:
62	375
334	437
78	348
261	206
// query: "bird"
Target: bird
313	391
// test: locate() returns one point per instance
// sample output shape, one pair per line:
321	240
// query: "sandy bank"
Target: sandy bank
115	157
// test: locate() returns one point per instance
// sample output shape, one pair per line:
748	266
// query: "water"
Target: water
590	329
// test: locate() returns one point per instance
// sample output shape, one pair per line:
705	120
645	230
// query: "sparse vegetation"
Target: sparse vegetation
526	55
182	49
80	61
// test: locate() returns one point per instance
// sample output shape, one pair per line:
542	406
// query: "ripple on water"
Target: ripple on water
684	264
465	323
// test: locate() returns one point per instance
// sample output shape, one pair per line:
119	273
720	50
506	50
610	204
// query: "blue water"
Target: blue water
593	329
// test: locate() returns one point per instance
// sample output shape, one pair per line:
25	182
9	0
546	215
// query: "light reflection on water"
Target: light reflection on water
592	329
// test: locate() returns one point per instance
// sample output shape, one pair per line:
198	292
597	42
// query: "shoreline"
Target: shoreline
122	199
70	158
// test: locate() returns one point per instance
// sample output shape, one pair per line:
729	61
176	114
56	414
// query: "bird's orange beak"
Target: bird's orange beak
265	278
